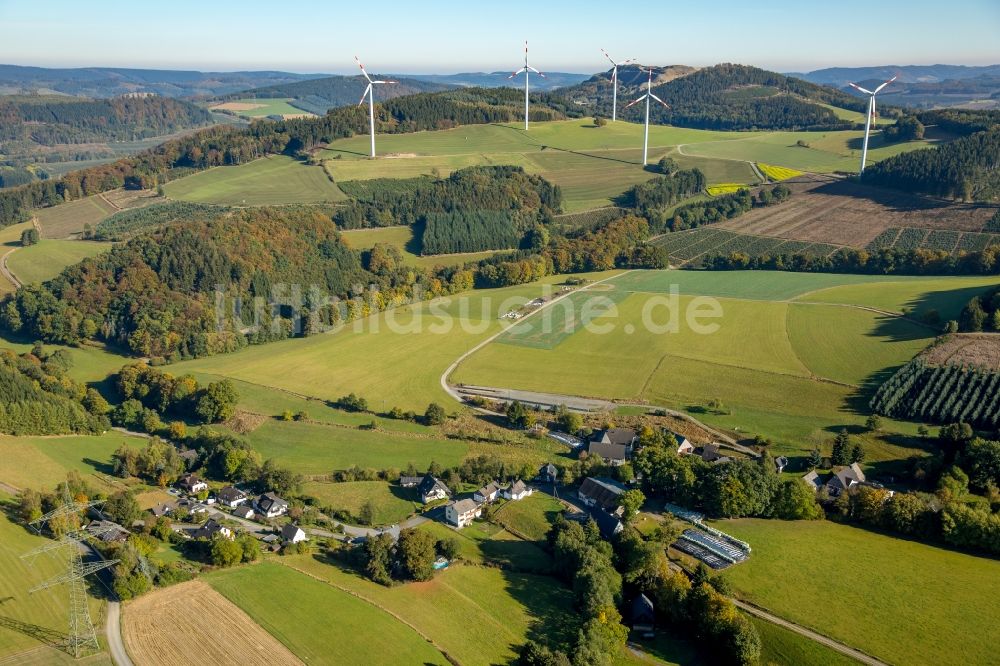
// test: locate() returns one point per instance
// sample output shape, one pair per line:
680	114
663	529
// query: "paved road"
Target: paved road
535	398
808	633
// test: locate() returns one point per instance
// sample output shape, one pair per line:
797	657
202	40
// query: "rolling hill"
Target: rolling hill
551	81
725	97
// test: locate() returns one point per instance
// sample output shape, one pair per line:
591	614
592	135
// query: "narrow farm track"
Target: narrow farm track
847	650
5	271
113	629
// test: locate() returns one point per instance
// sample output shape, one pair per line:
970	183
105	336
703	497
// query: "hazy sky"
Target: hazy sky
430	36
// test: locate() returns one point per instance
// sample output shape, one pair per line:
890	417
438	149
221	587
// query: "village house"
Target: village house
107	531
613	445
845	478
710	453
548	473
643	616
780	463
462	512
211	530
684	446
517	490
163	509
231	496
245	512
410	481
432	489
487	493
191	506
608	524
191	484
271	506
814	480
603	493
293	534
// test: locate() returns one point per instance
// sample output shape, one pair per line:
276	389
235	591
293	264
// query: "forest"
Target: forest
38	398
967	169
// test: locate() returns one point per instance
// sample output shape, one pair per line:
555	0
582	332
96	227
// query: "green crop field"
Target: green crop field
902	601
403	239
776	172
919	295
42	462
46	259
91	363
787	648
44	611
392	503
262	107
68	218
497	610
268	181
265	591
767	347
592	165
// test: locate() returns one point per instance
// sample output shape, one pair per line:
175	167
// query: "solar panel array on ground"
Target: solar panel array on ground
706	556
716	553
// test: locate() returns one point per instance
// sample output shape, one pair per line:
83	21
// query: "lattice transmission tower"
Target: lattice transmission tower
70	548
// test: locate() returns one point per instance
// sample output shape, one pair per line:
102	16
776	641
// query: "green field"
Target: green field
42	462
495	610
46	259
392	503
902	601
531	517
10	239
278	106
22	613
68	218
767	347
787	648
304	614
591	165
91	363
268	181
404	240
390	367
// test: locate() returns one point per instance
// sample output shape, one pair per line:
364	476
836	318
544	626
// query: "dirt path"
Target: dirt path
113	629
810	634
5	271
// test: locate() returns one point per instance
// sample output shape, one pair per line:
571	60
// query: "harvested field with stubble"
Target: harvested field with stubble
824	209
191	622
975	349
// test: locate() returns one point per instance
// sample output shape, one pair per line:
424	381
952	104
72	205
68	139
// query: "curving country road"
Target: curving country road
6	271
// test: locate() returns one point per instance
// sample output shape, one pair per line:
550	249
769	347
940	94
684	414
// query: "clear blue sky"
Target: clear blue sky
429	36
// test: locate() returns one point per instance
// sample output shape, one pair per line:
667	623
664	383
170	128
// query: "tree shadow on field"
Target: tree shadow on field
100	466
547	603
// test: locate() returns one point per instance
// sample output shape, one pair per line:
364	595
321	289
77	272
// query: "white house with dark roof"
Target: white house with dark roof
191	484
462	512
548	473
432	489
684	446
517	490
293	534
244	511
231	496
845	478
213	529
271	506
613	445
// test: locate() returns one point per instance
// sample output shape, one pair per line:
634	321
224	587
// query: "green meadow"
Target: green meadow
268	181
42	462
901	601
46	259
404	239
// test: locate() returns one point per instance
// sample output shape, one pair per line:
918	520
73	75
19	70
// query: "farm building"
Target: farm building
607	523
191	484
614	445
625	436
780	463
293	534
517	490
271	505
462	512
231	496
710	453
108	531
432	489
603	493
410	481
487	493
212	529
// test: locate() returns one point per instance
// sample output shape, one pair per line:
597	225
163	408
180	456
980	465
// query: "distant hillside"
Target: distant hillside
317	96
55	128
550	81
725	97
114	81
841	76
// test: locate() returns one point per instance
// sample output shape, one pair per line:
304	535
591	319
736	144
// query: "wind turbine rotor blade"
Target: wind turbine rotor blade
659	100
857	87
517	72
385	81
634	102
365	94
358	60
609	58
537	72
885	84
627	62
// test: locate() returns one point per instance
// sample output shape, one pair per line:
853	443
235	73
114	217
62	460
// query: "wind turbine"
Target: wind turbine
648	96
370	93
871	115
527	69
614	82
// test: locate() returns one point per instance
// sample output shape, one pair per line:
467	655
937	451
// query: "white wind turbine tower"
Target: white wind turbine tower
527	69
614	82
370	93
648	96
871	115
